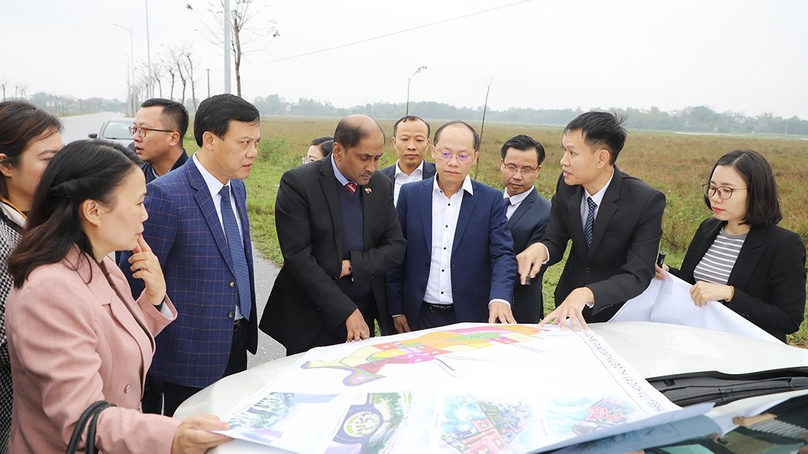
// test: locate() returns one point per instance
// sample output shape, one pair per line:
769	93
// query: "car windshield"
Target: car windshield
117	130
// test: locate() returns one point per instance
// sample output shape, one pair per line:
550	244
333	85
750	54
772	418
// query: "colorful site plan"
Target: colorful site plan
464	388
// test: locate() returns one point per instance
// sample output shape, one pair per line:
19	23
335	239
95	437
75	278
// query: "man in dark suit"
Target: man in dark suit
411	141
527	213
199	231
613	219
459	264
160	125
339	235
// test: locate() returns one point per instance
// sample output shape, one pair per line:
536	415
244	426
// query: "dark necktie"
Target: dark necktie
350	186
236	253
590	222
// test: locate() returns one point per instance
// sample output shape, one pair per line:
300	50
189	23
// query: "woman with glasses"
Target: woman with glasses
29	138
740	256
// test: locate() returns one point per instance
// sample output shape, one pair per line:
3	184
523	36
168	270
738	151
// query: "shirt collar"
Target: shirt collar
340	177
519	197
418	170
598	196
466	185
213	184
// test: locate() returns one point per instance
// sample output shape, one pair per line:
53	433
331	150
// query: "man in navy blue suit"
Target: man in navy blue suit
459	265
198	229
411	142
528	214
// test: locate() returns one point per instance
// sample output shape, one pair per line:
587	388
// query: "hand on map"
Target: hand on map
194	434
572	308
357	328
500	312
529	261
401	324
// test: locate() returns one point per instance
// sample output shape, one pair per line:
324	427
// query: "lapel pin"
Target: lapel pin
368	190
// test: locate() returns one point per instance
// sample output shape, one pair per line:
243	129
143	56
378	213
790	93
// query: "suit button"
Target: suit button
426	263
423	289
232	284
231	314
587	269
127	388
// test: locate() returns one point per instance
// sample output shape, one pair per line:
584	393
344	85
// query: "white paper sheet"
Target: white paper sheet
669	301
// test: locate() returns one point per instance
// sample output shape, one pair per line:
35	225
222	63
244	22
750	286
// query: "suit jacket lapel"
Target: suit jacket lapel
753	248
574	213
523	208
425	204
240	196
606	210
368	208
329	188
466	208
208	210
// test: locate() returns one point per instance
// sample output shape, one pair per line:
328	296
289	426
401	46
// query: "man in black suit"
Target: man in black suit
527	213
339	235
411	141
613	219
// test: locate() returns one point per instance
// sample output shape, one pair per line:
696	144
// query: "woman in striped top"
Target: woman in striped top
740	256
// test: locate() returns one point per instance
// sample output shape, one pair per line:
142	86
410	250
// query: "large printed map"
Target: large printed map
466	388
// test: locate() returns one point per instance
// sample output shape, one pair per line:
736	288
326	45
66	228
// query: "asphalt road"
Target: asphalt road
265	274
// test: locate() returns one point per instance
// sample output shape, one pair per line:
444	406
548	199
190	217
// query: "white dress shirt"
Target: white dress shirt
402	178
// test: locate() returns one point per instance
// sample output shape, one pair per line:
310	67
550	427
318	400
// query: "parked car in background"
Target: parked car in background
115	130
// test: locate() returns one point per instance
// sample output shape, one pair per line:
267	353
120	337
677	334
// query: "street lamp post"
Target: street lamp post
131	70
150	87
407	109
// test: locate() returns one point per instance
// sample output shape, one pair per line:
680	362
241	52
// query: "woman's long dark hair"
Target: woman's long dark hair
85	169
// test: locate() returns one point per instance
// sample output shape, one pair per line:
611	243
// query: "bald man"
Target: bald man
339	235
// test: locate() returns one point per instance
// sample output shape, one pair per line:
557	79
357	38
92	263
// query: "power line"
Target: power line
395	33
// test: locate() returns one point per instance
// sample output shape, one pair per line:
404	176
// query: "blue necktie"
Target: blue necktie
590	222
236	253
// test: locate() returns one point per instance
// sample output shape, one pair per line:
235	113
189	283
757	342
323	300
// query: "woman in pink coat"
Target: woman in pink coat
75	334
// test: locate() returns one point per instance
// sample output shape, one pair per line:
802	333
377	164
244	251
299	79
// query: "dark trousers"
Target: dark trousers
428	319
152	401
175	394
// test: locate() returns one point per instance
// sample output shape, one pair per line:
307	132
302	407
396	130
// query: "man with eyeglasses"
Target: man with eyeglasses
159	128
527	213
613	220
459	265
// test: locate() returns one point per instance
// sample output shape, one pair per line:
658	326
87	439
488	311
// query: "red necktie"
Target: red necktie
351	187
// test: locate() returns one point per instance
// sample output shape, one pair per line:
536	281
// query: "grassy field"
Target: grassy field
676	164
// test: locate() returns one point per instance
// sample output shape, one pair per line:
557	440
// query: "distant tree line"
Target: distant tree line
693	119
690	119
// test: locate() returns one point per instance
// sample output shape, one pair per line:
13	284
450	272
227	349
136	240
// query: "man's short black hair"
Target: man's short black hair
523	143
215	114
174	115
601	130
411	118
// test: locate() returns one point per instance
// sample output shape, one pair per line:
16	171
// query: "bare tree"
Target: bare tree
190	72
3	85
168	66
179	68
157	73
244	15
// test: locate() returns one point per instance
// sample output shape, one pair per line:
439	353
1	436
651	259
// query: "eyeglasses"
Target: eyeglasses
142	130
513	169
461	157
724	192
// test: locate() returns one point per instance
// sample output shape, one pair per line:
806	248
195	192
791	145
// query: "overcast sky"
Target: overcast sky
743	56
